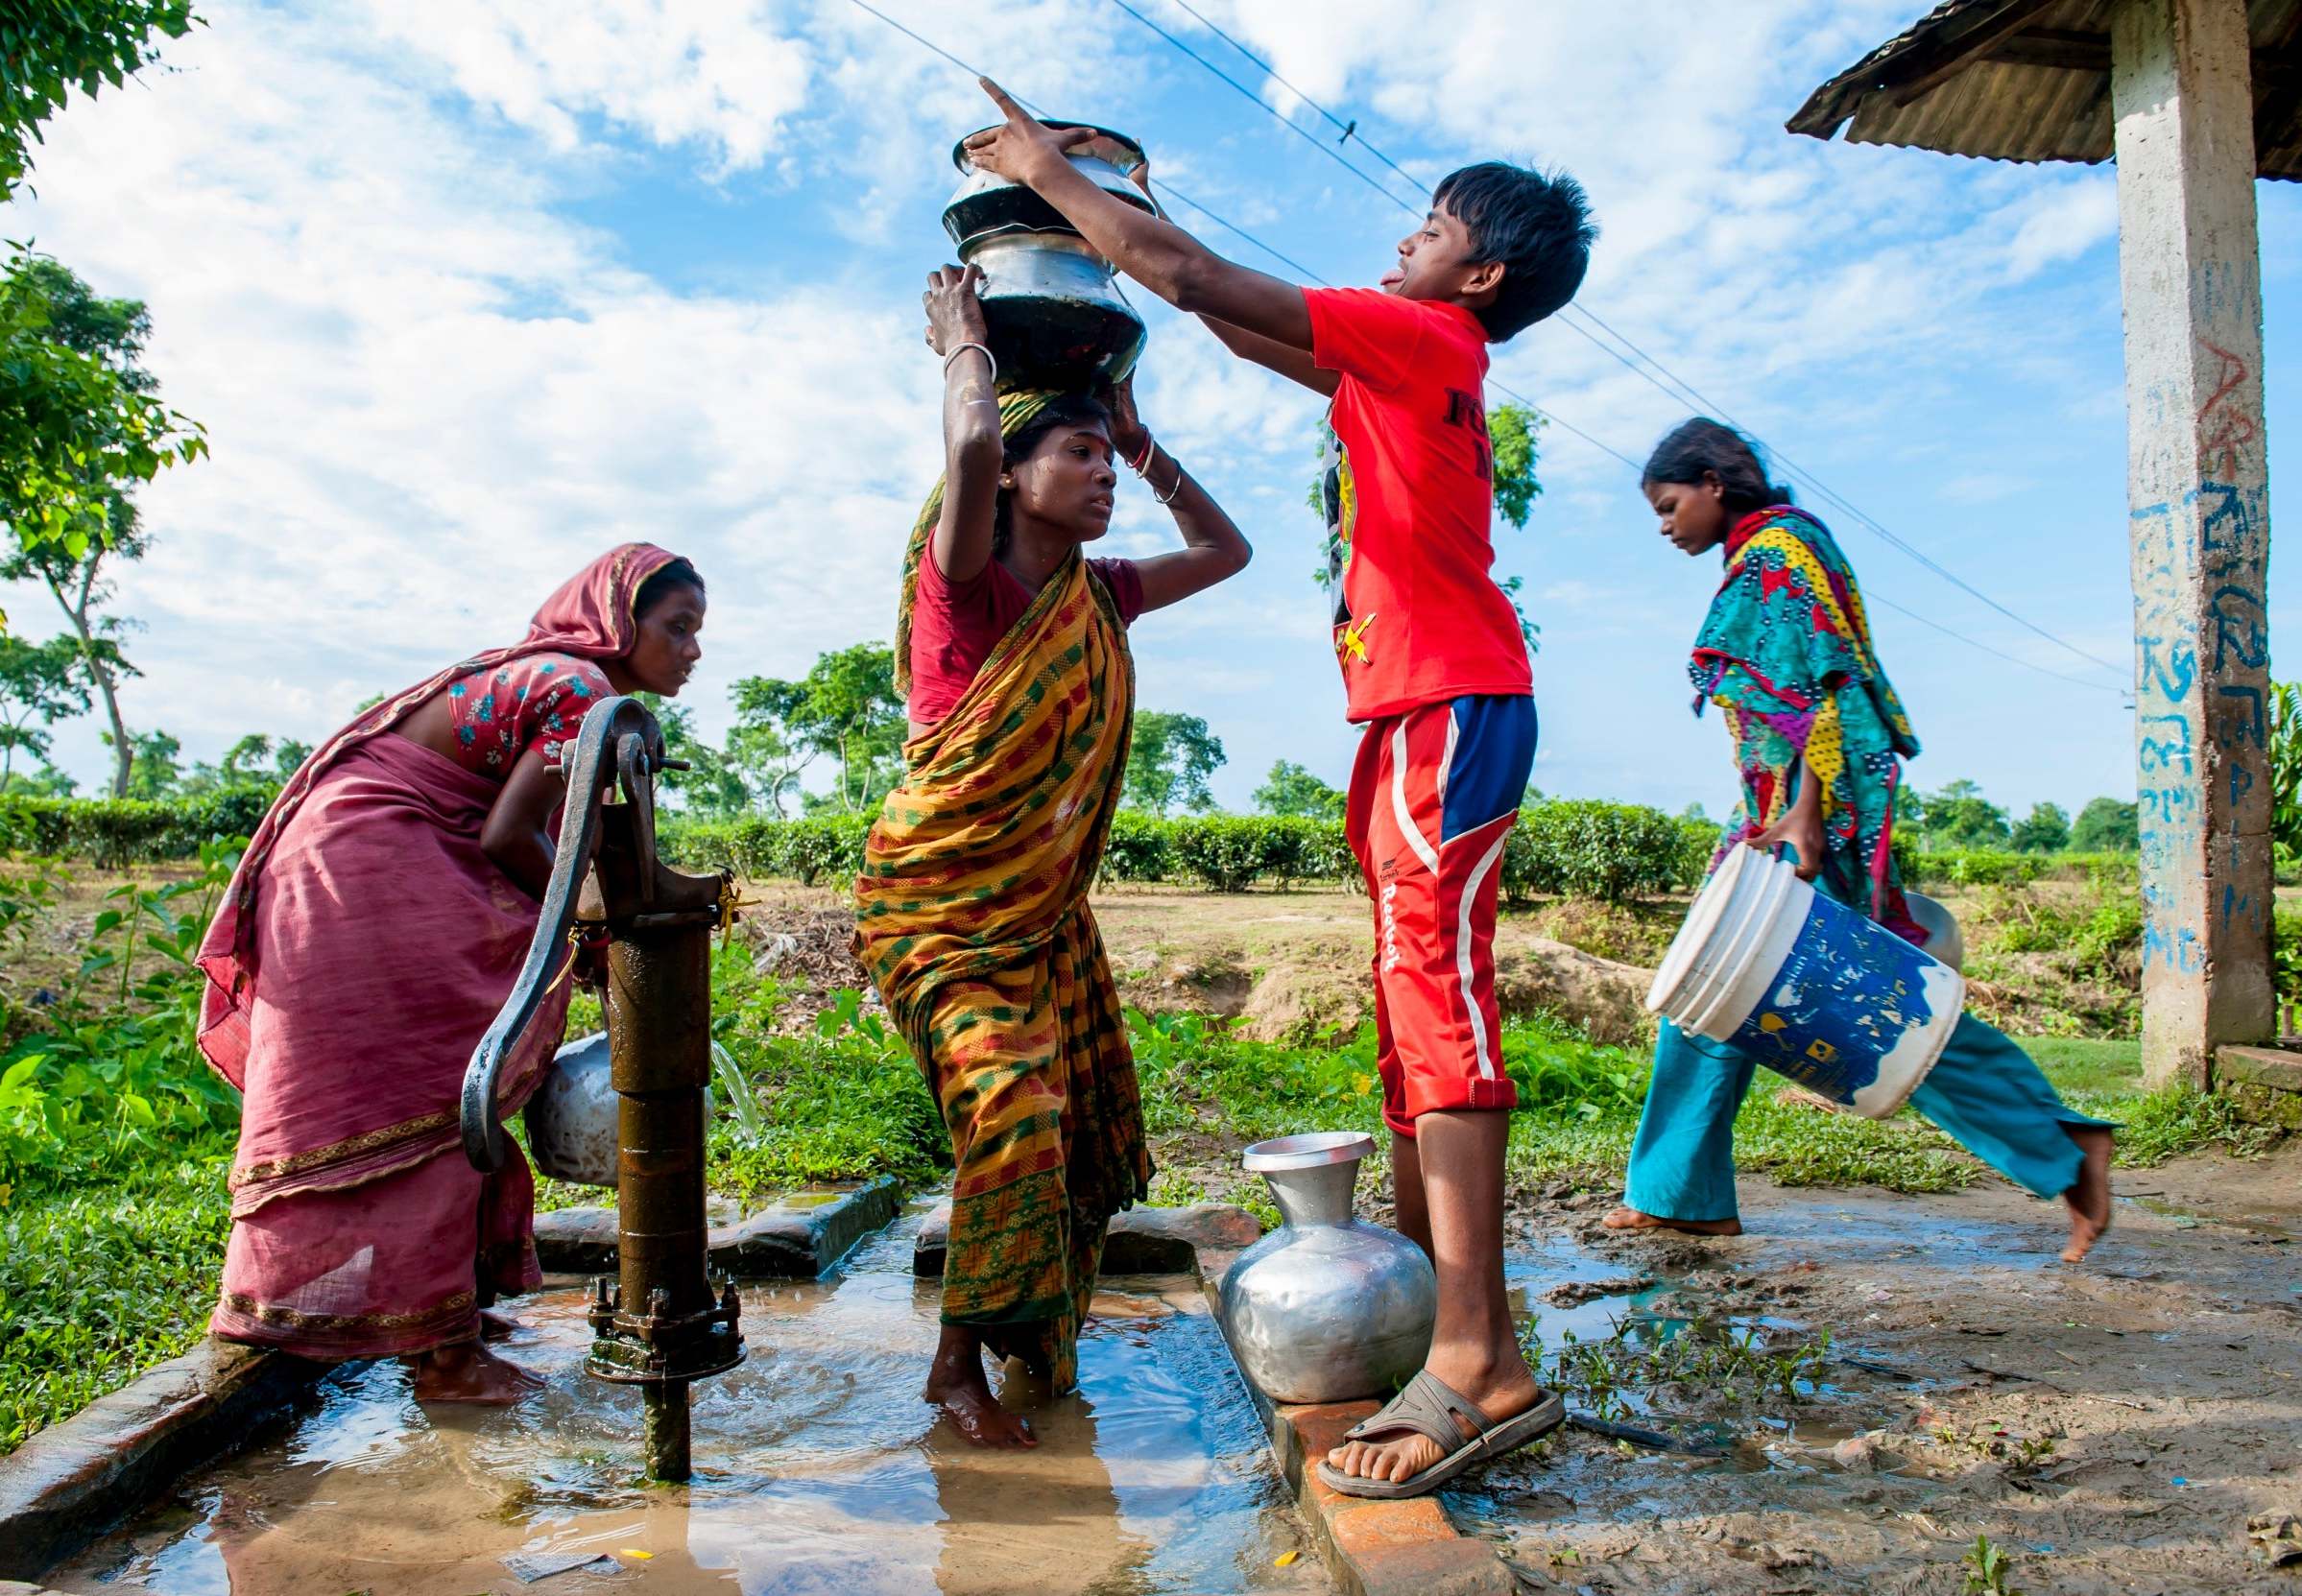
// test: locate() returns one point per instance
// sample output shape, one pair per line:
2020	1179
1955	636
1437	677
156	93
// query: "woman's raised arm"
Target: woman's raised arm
961	545
1213	547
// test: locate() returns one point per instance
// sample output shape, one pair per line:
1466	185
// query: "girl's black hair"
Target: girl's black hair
1693	447
1069	409
659	584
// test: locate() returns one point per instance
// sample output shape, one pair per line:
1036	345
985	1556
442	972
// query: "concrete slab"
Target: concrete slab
75	1480
2266	1083
799	1238
1201	1238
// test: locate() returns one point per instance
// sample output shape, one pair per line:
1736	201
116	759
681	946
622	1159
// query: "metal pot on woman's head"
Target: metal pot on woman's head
1056	314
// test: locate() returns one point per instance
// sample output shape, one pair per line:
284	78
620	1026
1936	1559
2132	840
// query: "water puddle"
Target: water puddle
818	1469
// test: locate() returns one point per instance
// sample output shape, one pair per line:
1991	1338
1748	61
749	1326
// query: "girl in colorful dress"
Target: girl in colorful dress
371	933
971	911
1819	739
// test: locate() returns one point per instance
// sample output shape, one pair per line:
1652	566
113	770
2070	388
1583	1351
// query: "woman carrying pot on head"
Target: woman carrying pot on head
1819	739
971	910
373	930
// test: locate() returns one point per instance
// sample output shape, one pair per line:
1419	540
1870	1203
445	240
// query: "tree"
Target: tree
154	764
1292	791
1959	816
2046	829
55	46
70	427
706	786
2106	825
762	748
113	332
1169	761
38	686
2286	765
844	708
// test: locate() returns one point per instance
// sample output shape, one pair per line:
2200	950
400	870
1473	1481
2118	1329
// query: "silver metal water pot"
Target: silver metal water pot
1327	1308
571	1117
1056	315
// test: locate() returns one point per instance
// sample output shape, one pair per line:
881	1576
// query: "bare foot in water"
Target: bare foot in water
1631	1219
2089	1200
957	1385
466	1372
495	1326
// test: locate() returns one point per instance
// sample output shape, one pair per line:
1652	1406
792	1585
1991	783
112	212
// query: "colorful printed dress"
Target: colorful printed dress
1785	654
534	702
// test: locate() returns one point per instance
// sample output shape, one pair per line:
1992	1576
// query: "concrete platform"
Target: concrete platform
74	1480
2266	1083
799	1238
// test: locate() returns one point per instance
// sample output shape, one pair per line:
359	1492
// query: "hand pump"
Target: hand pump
658	1324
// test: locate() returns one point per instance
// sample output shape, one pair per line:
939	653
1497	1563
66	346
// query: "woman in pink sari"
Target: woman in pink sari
371	933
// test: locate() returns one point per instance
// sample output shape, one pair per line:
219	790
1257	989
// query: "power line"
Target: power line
1350	128
1318	144
1685	389
1510	393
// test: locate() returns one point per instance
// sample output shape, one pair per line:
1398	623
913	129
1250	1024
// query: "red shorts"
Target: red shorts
1433	796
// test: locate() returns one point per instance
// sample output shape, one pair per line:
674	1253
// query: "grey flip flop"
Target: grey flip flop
1430	1406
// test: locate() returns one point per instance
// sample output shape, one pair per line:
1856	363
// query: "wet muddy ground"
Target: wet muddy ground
819	1469
2114	1426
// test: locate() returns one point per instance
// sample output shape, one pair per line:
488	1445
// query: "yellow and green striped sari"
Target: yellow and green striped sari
971	916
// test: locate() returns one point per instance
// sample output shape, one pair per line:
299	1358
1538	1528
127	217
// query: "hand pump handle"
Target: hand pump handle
618	738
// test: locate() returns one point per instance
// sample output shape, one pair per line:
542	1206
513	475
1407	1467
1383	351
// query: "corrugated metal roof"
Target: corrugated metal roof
2029	79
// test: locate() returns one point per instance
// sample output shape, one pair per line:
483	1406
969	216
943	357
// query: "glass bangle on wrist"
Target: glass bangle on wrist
1140	460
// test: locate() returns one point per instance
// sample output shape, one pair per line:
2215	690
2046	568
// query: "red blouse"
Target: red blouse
954	626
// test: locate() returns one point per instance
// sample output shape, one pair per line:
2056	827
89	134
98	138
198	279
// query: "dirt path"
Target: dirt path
2111	1427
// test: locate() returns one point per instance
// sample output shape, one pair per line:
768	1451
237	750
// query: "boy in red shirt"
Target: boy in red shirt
1436	671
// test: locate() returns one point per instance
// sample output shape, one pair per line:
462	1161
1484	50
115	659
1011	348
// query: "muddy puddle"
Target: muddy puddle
2130	1425
818	1469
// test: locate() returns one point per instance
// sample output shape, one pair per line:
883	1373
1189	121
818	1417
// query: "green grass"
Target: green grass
99	1282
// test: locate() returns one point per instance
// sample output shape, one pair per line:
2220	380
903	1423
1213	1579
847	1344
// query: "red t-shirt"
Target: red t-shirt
955	626
1418	618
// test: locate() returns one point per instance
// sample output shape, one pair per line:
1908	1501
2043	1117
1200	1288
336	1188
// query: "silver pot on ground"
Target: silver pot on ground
1055	314
1327	1308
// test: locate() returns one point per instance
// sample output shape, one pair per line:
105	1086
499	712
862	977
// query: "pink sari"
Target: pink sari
365	947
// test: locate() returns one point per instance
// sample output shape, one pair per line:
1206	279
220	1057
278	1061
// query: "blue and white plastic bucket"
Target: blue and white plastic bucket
1812	989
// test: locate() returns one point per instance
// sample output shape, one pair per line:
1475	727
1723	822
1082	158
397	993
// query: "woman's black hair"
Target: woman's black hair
1702	445
1067	410
659	584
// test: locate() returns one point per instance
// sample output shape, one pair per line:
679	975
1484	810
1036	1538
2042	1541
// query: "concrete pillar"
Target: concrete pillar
2198	490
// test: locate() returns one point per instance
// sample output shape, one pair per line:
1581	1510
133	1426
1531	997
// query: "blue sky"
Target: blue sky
465	291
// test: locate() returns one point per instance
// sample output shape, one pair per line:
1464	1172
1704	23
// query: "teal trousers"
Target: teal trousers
1986	1092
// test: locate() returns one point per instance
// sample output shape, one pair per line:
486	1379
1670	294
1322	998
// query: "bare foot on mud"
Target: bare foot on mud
466	1372
1631	1219
495	1326
956	1384
2089	1200
1500	1390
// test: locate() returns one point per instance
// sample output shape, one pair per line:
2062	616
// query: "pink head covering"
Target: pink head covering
592	614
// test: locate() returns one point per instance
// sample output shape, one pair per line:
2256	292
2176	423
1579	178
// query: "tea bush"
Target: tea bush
115	833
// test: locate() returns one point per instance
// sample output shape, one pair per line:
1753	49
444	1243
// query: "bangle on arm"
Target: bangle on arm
1143	459
1168	497
989	359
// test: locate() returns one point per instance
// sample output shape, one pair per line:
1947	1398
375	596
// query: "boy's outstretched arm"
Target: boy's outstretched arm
1159	254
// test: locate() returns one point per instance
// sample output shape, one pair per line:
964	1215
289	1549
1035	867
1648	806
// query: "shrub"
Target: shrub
113	833
1139	849
1587	847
